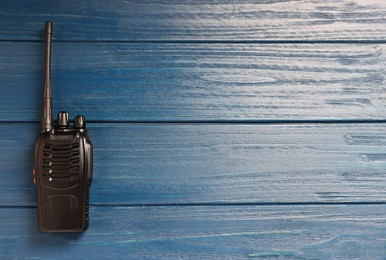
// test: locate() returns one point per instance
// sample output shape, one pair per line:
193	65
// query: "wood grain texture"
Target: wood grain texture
196	20
142	164
207	180
191	82
275	232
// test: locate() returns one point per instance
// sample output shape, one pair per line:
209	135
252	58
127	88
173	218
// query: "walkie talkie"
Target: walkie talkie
62	164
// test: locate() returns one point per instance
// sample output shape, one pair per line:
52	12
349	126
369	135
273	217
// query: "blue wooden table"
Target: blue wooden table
222	129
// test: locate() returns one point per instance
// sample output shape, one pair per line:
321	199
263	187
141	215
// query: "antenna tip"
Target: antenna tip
48	27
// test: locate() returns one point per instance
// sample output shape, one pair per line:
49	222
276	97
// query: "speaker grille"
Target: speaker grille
61	162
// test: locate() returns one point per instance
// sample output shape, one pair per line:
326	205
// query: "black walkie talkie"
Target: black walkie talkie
62	164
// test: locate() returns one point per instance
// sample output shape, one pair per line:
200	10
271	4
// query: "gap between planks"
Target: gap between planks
224	122
252	204
204	41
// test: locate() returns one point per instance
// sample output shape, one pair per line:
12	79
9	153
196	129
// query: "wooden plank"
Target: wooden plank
296	232
141	164
196	20
162	82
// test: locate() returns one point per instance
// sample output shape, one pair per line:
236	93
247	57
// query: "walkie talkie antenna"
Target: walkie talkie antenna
47	118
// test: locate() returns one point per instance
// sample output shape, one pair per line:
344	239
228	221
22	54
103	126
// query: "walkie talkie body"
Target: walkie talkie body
63	163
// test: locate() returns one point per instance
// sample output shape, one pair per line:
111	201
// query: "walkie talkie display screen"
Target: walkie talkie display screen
62	164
